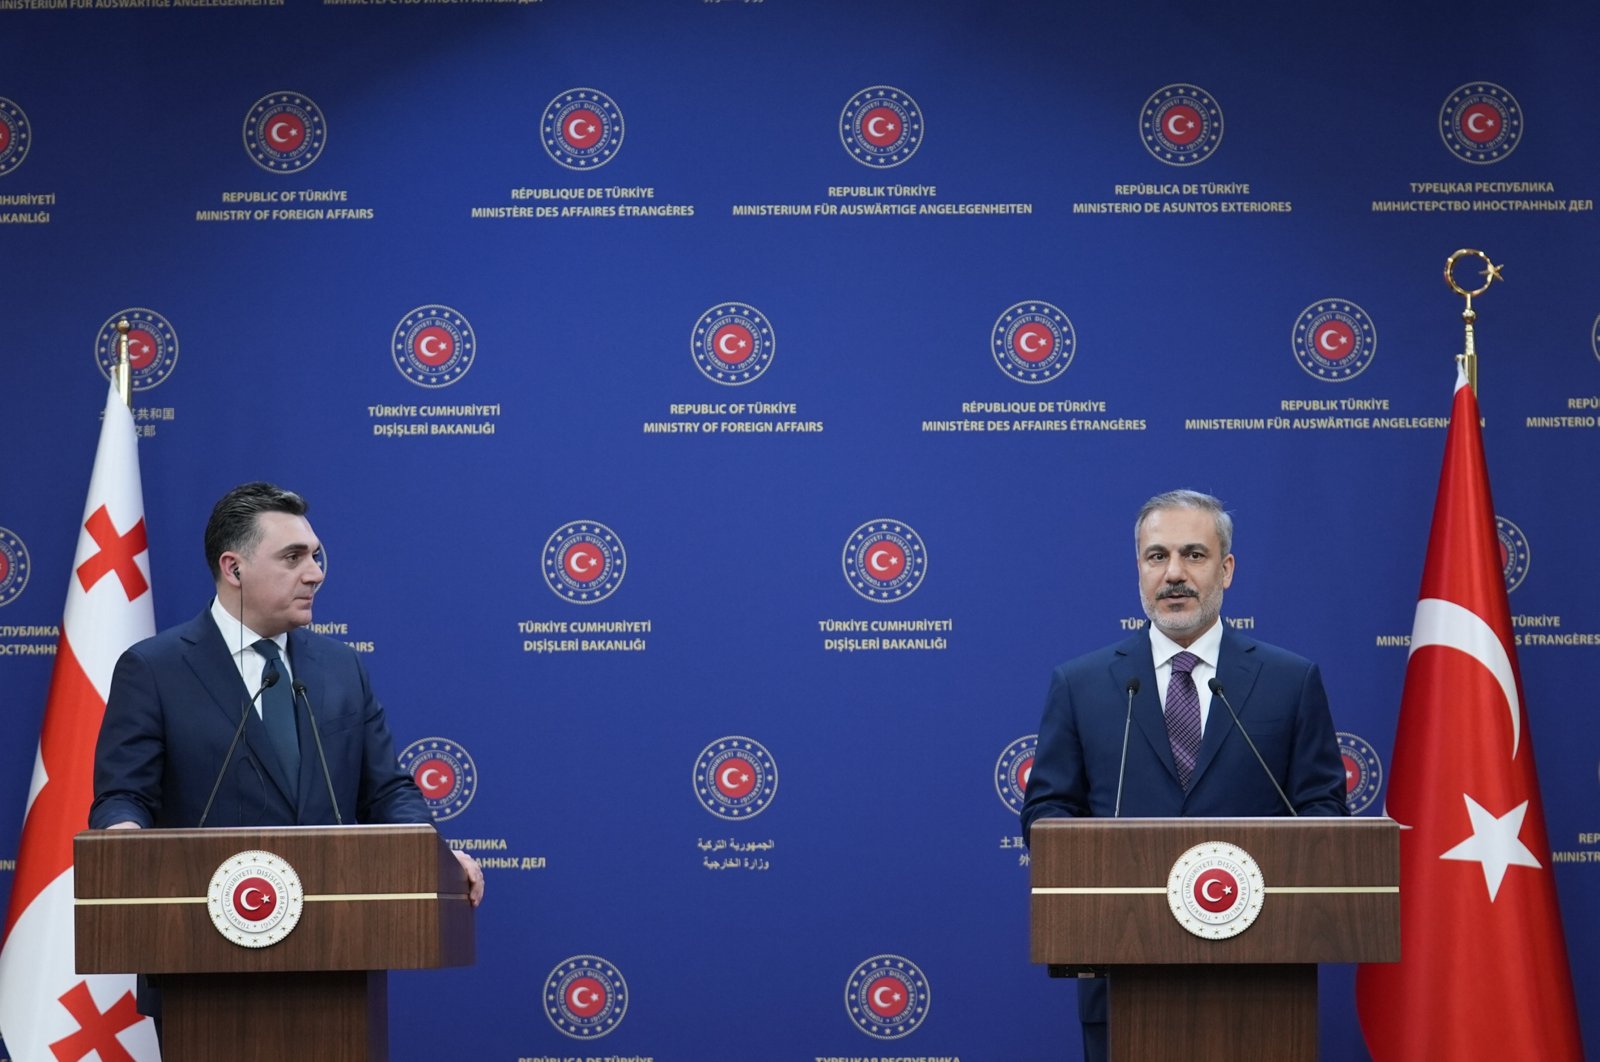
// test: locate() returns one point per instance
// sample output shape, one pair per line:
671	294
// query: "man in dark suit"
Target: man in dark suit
1183	758
176	699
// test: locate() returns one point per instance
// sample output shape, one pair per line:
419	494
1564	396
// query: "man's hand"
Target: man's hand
470	865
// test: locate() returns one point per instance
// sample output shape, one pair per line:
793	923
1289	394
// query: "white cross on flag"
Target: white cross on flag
48	1012
1483	964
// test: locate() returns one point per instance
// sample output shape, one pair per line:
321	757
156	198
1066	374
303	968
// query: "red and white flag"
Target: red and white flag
48	1012
1483	964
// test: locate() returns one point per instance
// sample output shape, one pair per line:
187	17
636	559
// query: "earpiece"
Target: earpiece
236	571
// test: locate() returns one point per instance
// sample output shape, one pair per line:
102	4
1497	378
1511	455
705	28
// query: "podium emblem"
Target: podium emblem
1215	890
255	899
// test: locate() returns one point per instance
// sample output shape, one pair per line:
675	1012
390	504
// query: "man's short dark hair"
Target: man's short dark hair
233	525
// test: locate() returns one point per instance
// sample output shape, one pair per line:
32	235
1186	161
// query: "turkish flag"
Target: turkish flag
1483	964
48	1012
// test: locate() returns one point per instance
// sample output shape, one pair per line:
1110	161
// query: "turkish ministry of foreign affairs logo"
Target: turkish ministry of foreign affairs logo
15	567
16	136
884	560
735	778
584	562
284	132
1481	123
152	346
887	997
1181	124
1334	340
585	997
732	343
1215	890
581	129
1033	342
1012	770
1363	771
433	346
255	899
1515	554
445	774
881	127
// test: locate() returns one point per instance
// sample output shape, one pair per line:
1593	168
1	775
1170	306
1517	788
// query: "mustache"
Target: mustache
1180	590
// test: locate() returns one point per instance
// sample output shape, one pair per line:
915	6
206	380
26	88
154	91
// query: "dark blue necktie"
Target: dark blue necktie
277	711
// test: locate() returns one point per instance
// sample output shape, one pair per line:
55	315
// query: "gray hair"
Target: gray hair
1189	499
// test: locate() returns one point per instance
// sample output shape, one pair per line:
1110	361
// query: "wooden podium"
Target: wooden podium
376	898
1100	905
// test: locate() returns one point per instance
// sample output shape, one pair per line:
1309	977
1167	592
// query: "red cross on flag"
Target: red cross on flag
1483	964
48	1013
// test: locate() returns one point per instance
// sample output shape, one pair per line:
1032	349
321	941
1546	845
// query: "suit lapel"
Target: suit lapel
1133	660
303	658
211	661
1237	668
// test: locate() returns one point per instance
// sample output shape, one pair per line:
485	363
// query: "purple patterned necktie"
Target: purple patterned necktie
1183	715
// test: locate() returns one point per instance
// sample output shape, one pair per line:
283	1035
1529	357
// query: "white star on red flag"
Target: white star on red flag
1495	843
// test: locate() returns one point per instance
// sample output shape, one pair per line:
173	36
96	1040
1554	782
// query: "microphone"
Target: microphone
1216	688
269	679
322	758
1127	724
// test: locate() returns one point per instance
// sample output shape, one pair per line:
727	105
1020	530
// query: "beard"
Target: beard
1178	626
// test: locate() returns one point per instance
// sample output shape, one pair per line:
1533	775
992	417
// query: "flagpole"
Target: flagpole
124	371
1468	358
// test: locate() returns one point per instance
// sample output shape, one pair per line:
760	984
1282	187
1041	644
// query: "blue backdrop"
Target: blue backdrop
461	273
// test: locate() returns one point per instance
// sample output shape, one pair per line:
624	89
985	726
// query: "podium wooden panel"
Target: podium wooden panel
1100	905
376	898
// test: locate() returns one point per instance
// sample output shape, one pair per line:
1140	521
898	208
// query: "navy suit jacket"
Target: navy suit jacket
174	704
1280	701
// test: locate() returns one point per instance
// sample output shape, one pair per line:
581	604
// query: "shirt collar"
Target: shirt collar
240	638
1207	647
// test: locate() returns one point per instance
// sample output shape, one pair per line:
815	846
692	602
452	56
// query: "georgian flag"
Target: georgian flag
48	1012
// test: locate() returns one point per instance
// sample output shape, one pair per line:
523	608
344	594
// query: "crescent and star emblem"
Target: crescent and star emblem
876	555
275	134
878	999
1026	342
1205	891
580	563
875	126
723	344
731	777
1330	340
575	130
427	349
244	899
1173	126
1474	118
